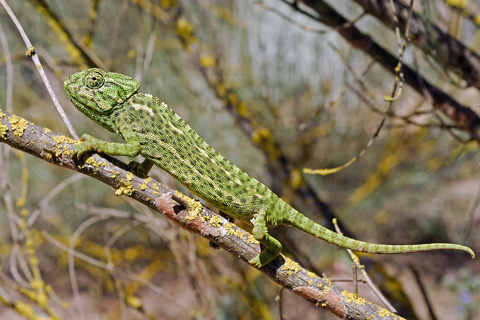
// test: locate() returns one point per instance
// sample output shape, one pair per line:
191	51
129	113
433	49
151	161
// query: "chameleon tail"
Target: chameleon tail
299	221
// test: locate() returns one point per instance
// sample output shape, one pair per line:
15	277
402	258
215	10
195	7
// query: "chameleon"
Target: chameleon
152	129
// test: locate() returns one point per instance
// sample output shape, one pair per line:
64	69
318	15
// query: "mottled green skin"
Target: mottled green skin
155	131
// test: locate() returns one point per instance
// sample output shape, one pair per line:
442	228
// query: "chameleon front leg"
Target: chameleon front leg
91	144
273	247
131	148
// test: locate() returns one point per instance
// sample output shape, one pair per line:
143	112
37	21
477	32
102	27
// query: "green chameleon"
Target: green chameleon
150	128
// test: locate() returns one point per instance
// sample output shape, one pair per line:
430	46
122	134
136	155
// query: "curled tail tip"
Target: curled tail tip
466	249
469	250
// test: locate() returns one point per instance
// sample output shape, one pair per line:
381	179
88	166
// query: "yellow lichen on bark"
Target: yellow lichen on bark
18	124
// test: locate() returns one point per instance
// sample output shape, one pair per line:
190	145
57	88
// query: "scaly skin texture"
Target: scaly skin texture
150	128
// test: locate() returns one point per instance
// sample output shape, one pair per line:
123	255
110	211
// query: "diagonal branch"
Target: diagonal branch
187	213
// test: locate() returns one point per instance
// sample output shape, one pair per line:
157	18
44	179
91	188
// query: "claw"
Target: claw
255	261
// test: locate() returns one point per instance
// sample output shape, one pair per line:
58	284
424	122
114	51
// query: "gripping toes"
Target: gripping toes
85	147
141	168
255	261
273	247
265	257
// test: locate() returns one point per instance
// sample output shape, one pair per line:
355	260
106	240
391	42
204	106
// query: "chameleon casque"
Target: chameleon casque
150	128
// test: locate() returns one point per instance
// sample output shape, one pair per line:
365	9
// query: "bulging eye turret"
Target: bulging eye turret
94	79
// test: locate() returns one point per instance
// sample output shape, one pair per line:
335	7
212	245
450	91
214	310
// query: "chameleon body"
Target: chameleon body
150	128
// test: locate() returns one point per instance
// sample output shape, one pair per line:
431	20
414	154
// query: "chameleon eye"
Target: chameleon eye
94	80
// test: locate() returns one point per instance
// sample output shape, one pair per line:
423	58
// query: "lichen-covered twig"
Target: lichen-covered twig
57	149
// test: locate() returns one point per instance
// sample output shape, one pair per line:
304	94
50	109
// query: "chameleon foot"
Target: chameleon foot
83	150
273	247
141	168
264	258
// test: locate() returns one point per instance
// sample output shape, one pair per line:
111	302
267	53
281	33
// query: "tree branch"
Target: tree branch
187	213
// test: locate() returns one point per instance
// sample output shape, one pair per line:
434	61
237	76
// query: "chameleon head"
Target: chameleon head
96	91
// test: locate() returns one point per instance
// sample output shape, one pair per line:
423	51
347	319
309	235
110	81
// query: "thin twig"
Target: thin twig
36	60
142	66
407	119
9	67
396	93
365	275
16	256
280	303
471	213
355	277
431	312
58	188
108	253
112	269
71	261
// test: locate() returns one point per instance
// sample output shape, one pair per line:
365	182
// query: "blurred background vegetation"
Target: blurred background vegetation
275	87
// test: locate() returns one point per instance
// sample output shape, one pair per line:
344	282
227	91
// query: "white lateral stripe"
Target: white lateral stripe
175	128
202	152
142	107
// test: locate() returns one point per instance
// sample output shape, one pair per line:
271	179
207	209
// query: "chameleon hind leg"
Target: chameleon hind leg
273	247
141	168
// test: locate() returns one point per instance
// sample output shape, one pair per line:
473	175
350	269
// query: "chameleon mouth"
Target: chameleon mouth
71	92
68	85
